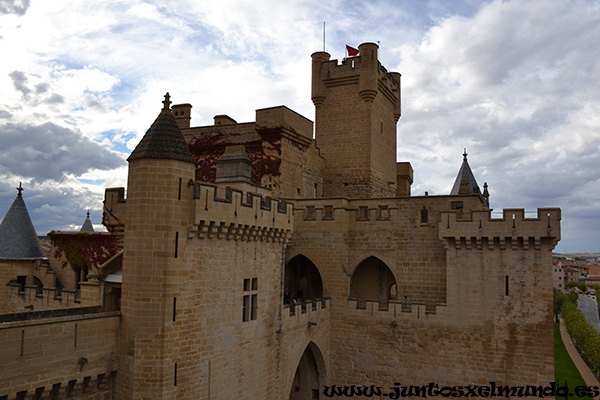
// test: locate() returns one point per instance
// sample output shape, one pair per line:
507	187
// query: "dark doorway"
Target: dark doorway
302	279
308	379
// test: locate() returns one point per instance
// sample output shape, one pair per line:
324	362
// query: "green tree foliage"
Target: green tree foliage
584	336
570	284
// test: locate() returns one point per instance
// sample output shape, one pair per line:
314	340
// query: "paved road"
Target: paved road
590	310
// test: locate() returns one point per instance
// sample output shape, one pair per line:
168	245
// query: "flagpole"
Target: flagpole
323	36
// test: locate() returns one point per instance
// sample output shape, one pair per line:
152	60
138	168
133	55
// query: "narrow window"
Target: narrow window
250	300
179	195
176	243
175	375
315	191
22	342
75	337
246	309
424	215
174	307
506	285
22	281
254	306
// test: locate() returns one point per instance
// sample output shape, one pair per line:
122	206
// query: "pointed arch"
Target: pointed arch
310	375
372	280
302	279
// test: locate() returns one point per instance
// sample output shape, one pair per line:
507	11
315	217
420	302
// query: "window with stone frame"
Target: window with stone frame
250	300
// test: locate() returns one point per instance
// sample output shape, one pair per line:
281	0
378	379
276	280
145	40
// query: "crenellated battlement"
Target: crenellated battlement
398	310
342	209
364	70
228	213
513	229
32	297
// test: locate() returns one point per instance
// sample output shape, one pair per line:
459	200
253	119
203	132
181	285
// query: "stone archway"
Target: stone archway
302	279
310	375
372	280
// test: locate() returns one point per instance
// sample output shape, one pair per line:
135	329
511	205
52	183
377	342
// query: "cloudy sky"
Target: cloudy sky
514	82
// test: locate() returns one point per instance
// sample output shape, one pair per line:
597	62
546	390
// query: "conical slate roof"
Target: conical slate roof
18	239
87	225
163	140
465	182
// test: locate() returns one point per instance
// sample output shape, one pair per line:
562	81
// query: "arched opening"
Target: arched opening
372	280
302	280
310	375
39	286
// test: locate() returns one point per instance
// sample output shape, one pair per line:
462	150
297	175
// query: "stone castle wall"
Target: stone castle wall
473	292
72	355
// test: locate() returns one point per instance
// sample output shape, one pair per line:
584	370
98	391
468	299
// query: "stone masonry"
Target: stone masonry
262	263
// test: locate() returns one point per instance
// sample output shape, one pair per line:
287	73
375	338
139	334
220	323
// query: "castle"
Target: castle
259	262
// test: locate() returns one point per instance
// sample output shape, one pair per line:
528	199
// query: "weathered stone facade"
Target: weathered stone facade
318	269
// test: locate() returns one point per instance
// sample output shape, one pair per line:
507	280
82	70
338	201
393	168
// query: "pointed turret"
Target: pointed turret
465	182
164	139
87	225
18	239
158	206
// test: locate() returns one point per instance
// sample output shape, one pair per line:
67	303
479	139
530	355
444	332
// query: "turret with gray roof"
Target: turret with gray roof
87	225
18	238
465	182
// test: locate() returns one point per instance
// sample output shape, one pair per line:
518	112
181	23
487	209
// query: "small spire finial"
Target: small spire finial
167	102
465	155
20	189
88	213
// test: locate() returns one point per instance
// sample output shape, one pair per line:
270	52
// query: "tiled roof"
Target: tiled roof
87	225
163	140
18	239
465	175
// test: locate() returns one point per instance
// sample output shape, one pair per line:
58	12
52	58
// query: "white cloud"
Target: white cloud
512	81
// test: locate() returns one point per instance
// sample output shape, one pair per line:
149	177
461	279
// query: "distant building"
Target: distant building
558	276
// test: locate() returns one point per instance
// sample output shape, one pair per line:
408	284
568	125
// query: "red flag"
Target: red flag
352	52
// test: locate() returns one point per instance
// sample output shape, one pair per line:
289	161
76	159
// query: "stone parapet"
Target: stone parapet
513	229
33	297
68	354
226	213
395	311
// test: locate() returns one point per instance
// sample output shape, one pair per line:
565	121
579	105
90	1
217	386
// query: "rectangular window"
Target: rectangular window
246	309
506	285
250	300
254	301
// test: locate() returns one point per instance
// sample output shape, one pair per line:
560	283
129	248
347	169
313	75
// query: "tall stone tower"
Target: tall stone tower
160	168
357	108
